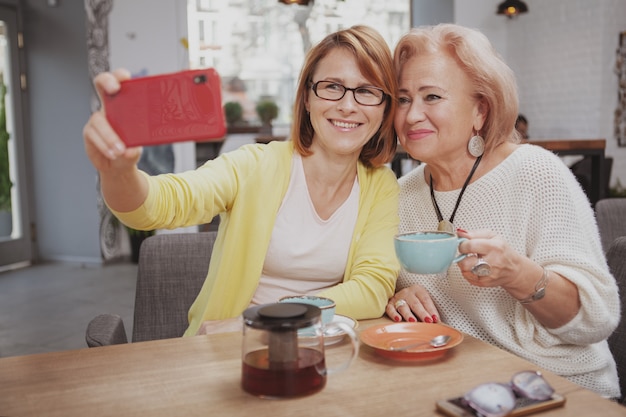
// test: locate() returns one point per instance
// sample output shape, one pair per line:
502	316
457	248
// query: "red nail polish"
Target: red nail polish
412	319
396	318
458	229
428	320
435	319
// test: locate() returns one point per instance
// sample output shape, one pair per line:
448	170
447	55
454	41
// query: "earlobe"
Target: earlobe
482	109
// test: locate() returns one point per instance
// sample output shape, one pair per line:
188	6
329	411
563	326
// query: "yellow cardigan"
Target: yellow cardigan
246	187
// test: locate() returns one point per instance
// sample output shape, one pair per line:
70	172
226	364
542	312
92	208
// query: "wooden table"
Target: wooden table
594	148
200	376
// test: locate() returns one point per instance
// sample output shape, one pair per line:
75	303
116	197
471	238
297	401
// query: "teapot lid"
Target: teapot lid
282	316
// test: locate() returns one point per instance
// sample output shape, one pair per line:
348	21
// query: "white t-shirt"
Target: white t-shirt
306	254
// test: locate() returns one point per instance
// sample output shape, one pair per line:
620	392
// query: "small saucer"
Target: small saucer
336	335
382	338
332	335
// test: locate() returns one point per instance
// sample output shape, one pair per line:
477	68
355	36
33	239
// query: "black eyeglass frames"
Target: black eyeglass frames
366	96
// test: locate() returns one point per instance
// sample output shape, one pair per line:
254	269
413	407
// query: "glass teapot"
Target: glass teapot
283	350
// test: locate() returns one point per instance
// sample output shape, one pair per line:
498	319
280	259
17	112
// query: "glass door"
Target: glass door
16	245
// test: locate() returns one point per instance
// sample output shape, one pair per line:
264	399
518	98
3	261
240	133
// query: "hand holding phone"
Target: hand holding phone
168	108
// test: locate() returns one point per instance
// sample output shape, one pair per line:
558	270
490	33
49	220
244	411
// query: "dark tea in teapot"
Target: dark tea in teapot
260	377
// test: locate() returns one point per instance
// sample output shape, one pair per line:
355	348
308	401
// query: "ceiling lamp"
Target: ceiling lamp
300	2
511	8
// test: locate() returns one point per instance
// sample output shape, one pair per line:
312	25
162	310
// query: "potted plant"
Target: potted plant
5	179
267	110
618	191
233	112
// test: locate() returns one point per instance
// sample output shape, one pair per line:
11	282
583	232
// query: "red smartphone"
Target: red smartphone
176	107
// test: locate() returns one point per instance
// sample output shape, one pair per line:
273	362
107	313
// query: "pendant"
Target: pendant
446	226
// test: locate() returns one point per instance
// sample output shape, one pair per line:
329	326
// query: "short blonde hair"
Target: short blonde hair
492	79
375	62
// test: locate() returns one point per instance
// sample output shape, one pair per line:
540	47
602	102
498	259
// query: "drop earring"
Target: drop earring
476	145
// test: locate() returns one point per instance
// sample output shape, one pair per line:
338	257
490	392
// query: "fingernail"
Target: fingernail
412	319
120	148
435	319
428	320
396	318
458	229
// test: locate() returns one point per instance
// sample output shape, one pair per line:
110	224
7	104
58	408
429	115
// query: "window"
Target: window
258	46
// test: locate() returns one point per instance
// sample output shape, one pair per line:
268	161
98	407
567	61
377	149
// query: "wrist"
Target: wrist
540	288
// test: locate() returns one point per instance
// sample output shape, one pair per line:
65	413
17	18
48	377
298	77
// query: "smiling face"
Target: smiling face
342	127
437	112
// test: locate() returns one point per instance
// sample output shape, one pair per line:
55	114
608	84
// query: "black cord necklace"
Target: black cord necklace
448	225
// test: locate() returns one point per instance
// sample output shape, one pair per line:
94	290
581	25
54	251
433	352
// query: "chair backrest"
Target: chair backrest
582	170
172	269
616	257
611	217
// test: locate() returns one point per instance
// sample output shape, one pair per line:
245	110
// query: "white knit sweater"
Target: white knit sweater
535	203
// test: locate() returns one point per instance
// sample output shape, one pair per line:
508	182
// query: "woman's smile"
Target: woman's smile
346	125
418	134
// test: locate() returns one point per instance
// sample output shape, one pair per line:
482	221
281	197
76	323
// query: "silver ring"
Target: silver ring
399	303
482	268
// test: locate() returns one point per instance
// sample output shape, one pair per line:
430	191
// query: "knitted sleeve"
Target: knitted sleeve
196	196
562	235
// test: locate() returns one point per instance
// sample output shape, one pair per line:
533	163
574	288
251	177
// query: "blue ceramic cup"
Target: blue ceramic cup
427	252
325	304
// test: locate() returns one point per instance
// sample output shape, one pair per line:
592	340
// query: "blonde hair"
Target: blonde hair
375	62
493	80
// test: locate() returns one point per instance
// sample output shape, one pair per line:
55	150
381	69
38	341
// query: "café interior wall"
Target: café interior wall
565	59
59	99
563	54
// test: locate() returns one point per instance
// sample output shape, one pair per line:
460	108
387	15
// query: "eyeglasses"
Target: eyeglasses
497	399
366	96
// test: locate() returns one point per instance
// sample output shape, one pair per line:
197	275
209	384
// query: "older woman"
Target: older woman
538	284
315	214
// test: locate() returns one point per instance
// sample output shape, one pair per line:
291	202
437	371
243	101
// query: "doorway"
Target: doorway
16	245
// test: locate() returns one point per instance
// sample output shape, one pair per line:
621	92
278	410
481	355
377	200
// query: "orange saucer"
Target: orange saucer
383	337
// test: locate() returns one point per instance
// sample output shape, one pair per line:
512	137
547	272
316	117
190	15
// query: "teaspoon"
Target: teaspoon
436	342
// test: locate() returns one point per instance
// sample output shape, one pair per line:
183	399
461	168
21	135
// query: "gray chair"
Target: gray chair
616	257
611	217
582	170
172	269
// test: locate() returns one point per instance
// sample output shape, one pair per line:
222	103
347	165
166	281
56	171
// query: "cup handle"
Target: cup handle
463	255
354	340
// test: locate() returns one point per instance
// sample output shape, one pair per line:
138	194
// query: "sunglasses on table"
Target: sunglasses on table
527	392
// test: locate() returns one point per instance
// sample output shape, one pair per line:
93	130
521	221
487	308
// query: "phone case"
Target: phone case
454	407
167	108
